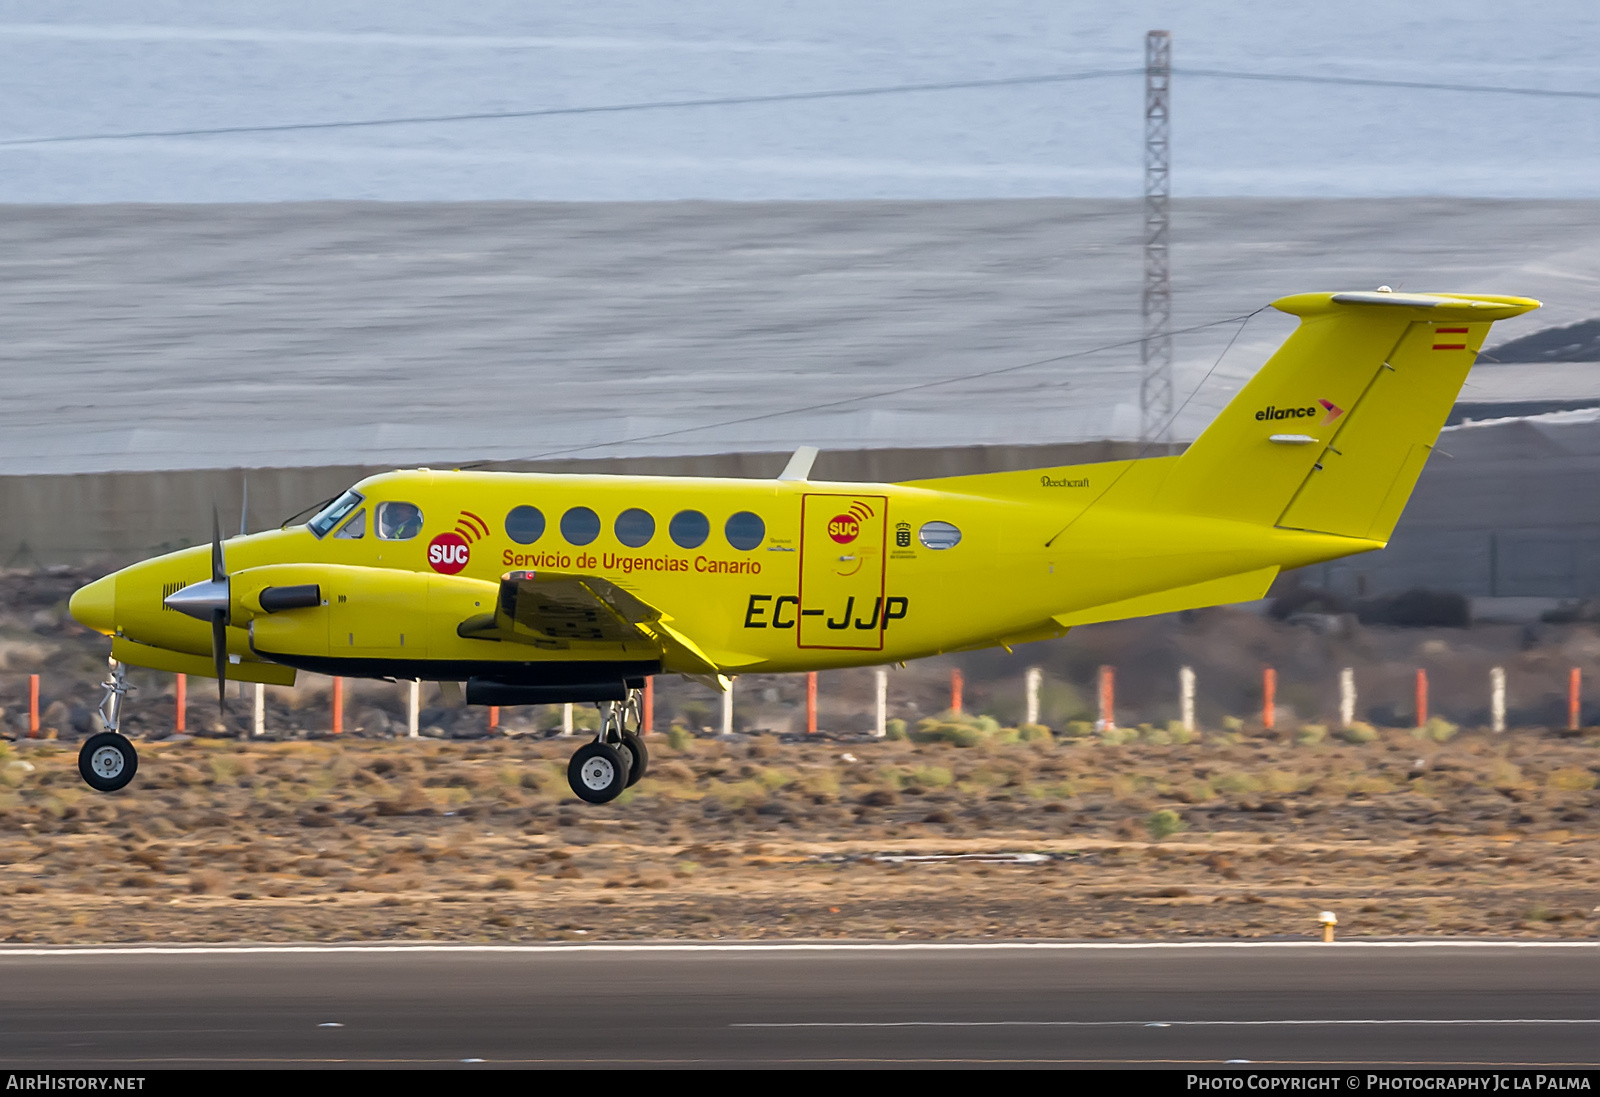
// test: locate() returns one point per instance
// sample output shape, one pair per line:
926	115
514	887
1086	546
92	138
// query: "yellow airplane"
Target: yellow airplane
536	589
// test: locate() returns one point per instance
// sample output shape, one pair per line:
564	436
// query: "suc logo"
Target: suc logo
844	528
448	553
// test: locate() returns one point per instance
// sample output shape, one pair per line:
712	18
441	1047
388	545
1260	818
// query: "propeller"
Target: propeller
219	613
208	601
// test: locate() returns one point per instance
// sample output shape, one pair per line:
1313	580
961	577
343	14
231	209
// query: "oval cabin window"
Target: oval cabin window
525	524
745	530
689	529
635	527
580	526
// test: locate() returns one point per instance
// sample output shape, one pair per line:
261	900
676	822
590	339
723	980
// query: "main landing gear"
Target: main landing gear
600	770
108	761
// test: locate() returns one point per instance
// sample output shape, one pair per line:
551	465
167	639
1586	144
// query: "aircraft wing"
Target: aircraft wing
553	609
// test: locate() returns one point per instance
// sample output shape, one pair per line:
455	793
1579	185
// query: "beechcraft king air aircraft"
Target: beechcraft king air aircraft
538	589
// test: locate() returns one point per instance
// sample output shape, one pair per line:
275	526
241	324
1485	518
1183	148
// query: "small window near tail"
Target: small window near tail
939	535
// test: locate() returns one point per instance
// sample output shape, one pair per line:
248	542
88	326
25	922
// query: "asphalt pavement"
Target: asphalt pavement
803	1004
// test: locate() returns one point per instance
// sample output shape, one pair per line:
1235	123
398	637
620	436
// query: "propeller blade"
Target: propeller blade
244	508
218	571
219	656
219	616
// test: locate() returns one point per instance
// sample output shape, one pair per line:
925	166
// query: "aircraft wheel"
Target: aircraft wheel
640	760
598	772
107	761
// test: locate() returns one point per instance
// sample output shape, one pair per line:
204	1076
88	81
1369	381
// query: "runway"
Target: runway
803	1004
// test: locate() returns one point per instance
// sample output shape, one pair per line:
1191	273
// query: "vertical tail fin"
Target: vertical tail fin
1331	434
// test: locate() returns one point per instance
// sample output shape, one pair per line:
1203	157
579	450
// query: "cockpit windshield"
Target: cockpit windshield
334	512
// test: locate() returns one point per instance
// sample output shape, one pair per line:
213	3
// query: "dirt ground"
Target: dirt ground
458	835
420	839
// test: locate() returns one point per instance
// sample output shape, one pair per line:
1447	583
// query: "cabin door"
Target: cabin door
843	551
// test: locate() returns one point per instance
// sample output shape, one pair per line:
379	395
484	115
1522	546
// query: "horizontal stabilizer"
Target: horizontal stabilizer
1246	587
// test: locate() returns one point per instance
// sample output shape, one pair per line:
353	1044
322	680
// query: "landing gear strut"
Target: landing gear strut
107	761
617	758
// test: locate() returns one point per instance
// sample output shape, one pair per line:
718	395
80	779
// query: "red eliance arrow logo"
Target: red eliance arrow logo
1333	410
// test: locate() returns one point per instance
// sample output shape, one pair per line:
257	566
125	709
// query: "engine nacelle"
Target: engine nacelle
339	611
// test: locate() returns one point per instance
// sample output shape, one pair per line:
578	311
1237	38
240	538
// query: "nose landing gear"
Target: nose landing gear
617	758
107	761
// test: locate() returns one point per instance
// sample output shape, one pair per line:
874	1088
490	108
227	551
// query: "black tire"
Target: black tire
107	761
641	757
598	772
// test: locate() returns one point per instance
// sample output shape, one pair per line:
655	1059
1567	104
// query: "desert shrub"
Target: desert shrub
932	776
1310	734
962	730
678	737
1152	734
1177	733
895	728
1571	779
1438	729
1034	733
1117	736
1236	782
1232	723
934	729
1359	732
774	779
1078	729
1164	824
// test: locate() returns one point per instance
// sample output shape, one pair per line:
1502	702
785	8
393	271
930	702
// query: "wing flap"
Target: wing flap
554	611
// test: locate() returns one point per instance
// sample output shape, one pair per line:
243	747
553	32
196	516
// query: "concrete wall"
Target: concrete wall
118	517
1508	509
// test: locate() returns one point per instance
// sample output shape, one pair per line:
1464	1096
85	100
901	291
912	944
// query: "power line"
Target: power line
608	108
1374	82
796	97
827	404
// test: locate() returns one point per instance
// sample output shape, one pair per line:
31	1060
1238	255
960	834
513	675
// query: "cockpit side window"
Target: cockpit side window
355	529
398	521
332	514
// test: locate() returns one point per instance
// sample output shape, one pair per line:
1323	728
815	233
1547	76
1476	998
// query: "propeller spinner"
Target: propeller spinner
208	601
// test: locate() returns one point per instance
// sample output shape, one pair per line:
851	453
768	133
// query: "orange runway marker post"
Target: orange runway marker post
33	706
1108	698
182	718
1574	699
811	703
1422	697
494	717
647	708
338	706
1269	698
956	682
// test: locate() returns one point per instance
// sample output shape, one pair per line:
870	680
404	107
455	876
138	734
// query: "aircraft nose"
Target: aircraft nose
95	606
